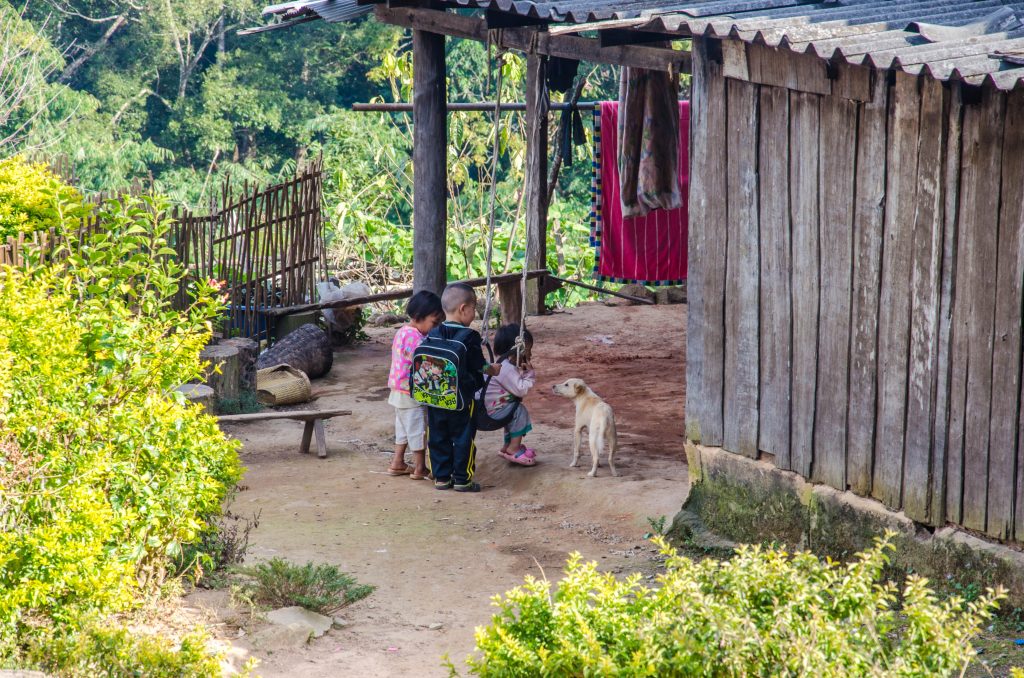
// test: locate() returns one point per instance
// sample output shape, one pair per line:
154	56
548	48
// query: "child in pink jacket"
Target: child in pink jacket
505	393
425	313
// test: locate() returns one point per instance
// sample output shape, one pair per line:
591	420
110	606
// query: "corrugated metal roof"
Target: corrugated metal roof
328	10
976	41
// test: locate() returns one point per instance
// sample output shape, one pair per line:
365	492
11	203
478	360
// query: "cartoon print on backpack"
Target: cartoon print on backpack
435	381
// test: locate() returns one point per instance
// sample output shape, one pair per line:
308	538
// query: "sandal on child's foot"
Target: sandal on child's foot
419	476
443	484
400	471
467	487
518	458
528	452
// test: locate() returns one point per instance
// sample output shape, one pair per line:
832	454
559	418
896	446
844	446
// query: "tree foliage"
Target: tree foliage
166	91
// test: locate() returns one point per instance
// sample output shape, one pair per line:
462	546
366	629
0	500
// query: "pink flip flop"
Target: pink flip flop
520	459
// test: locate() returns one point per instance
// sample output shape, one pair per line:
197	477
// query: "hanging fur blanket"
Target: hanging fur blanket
648	141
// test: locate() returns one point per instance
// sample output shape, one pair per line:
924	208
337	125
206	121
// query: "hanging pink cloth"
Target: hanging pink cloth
648	249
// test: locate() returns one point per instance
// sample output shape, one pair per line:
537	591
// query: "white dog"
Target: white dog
597	417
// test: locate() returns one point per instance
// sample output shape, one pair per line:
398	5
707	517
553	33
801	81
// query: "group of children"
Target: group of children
442	435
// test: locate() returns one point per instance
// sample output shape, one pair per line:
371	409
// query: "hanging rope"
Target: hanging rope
539	110
494	181
495	37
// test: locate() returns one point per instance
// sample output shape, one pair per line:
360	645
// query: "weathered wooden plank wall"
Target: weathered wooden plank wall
857	282
776	305
706	304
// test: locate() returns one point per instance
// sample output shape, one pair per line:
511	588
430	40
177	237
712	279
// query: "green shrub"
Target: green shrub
105	471
321	588
760	613
30	195
116	653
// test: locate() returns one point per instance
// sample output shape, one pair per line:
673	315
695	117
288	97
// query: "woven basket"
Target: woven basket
282	385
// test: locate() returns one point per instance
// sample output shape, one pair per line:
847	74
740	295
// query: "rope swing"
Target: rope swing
494	37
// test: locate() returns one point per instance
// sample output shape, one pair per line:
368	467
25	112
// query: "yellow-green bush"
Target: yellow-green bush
104	471
117	652
760	613
30	195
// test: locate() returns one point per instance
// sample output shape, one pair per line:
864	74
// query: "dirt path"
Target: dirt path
438	557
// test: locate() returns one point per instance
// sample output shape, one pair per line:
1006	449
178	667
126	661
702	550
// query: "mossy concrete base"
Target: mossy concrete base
755	502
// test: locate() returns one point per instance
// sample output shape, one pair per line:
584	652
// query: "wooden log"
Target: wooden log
510	299
705	357
951	181
1006	357
894	299
430	158
741	288
926	261
536	174
869	215
776	301
222	371
979	224
307	348
200	394
838	133
248	352
803	190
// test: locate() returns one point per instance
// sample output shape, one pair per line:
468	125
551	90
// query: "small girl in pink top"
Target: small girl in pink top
425	313
505	393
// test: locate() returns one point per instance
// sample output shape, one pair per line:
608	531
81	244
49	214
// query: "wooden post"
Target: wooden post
536	174
430	148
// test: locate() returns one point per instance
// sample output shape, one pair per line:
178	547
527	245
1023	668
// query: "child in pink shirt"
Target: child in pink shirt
425	313
505	393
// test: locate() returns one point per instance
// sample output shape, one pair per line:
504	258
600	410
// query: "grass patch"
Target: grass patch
322	588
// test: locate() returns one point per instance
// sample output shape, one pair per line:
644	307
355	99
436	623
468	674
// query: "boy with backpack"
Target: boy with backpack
448	369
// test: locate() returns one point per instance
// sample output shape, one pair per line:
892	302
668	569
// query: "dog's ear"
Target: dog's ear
578	387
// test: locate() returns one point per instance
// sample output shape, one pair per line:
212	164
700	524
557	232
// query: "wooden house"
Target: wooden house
856	274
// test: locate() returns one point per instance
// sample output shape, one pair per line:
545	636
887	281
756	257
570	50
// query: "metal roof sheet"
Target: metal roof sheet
969	40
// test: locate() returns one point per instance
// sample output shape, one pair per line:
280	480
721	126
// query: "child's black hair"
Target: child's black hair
424	304
505	338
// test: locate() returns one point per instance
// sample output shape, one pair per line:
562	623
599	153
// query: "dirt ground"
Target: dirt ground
436	558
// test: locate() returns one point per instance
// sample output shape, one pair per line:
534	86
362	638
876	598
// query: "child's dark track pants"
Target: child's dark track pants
451	445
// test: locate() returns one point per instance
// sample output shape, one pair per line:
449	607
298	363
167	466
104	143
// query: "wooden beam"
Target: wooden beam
779	67
430	158
536	174
530	40
294	415
394	295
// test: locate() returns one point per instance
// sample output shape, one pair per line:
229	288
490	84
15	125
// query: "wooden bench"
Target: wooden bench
314	420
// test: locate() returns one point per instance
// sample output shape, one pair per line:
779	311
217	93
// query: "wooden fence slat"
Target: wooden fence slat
803	187
894	298
951	180
926	260
869	216
838	133
979	221
776	340
1006	356
741	286
706	277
